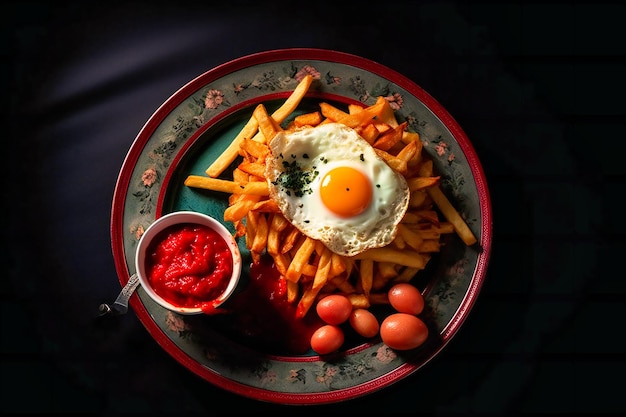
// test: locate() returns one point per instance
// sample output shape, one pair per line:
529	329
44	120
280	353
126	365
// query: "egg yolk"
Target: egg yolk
346	191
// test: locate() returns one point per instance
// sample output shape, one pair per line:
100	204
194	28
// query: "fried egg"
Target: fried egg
330	184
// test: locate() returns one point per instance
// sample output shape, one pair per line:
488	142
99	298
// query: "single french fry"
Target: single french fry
306	301
331	112
281	261
401	257
323	268
369	133
382	127
240	209
387	269
396	148
240	229
417	199
294	99
430	245
359	300
366	275
399	241
273	243
429	216
252	168
277	225
338	265
411	238
251	222
383	278
227	186
445	227
290	239
433	232
388	139
240	176
308	119
419	146
266	206
297	244
364	116
293	290
379	299
267	125
308	271
260	238
408	152
421	183
379	282
452	215
410	217
319	248
235	198
394	162
258	188
426	168
387	115
342	283
350	266
406	275
300	259
408	136
428	234
280	223
354	108
255	149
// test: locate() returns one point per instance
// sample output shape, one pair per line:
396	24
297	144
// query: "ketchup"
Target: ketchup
189	265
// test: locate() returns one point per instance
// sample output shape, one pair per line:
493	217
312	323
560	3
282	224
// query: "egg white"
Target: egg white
294	170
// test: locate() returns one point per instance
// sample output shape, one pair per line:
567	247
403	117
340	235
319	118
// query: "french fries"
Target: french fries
250	129
453	216
310	269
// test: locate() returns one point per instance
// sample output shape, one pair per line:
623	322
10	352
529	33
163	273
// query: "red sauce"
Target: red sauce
189	265
260	315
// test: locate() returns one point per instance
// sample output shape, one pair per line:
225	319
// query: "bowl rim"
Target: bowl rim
180	217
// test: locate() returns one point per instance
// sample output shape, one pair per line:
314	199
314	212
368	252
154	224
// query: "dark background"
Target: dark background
539	90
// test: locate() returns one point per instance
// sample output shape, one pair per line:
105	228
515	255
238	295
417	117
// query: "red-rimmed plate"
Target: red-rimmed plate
188	132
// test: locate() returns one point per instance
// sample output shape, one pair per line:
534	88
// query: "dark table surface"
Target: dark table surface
539	90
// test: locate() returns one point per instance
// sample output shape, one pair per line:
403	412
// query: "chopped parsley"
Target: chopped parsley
295	179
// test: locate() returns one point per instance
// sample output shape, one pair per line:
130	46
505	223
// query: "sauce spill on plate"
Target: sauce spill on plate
260	315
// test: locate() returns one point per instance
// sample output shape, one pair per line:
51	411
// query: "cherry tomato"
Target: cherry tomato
327	339
402	331
334	308
364	322
406	298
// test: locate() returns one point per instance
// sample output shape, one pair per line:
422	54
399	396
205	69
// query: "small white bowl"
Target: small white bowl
179	218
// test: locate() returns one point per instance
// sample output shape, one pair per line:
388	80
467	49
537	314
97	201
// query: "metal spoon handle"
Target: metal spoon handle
120	305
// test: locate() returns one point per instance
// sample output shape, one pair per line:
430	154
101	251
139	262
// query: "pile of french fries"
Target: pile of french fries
310	269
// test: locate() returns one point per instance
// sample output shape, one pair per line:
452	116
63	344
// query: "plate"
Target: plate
196	123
